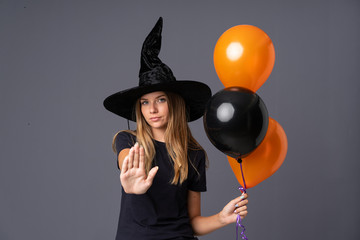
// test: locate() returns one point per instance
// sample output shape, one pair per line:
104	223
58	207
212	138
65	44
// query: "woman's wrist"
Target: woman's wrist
221	218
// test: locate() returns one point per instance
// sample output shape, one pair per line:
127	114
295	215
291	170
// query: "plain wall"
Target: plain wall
60	59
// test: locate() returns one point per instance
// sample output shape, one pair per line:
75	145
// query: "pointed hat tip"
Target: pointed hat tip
159	24
157	29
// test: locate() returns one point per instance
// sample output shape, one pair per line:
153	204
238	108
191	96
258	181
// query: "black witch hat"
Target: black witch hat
155	76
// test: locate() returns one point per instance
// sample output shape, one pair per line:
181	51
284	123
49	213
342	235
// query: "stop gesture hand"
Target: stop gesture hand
133	175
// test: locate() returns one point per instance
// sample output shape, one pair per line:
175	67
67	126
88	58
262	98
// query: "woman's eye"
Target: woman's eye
144	102
162	100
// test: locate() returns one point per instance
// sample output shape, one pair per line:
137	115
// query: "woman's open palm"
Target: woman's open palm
133	175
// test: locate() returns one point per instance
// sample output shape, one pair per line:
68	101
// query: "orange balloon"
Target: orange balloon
244	56
265	160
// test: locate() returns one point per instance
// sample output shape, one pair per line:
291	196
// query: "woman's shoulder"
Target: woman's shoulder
124	139
197	154
125	134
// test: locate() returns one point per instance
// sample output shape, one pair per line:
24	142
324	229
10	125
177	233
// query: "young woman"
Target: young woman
162	165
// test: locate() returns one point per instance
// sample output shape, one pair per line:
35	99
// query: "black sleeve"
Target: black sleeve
123	140
197	181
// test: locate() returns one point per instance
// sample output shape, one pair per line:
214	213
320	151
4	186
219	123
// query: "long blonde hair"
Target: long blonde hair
178	137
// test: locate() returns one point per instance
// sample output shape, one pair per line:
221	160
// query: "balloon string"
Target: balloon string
238	219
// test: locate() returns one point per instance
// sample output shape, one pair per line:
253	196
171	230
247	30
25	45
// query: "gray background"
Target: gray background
60	59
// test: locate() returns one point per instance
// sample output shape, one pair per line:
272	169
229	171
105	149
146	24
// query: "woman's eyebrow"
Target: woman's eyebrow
162	95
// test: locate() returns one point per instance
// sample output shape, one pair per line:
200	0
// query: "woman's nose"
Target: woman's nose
153	108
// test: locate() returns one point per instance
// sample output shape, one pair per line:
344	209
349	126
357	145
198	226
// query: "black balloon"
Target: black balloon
236	121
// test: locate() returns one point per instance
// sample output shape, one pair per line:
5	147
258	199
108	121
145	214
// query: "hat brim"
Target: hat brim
195	94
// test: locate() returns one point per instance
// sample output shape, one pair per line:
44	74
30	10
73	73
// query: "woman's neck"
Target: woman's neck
158	134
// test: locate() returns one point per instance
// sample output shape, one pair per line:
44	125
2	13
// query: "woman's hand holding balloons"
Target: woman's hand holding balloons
237	206
133	175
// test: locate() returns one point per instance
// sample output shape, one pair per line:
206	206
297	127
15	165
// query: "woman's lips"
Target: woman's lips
155	119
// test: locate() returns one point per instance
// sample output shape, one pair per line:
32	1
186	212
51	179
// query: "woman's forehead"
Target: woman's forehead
153	95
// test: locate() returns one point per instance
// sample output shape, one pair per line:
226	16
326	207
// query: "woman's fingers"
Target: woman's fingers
151	175
241	205
136	155
135	158
131	158
124	166
239	201
141	158
240	209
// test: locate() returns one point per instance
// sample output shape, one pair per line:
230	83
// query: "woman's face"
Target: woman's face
154	108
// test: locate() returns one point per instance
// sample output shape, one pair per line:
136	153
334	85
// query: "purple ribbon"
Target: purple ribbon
238	219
